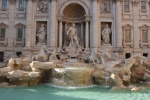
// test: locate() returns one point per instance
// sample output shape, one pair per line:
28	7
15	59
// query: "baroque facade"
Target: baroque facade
117	25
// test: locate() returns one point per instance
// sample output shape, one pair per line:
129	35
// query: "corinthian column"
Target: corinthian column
94	35
53	24
118	24
29	23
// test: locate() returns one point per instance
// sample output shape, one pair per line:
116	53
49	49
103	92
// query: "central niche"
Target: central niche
74	13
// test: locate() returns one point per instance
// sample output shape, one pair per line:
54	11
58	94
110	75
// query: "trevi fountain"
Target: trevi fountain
76	70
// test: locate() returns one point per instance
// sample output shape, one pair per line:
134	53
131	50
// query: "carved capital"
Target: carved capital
135	2
87	17
12	1
59	17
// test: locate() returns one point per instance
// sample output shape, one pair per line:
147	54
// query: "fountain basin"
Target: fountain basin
72	77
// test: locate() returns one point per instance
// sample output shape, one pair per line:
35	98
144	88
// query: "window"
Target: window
19	34
126	5
128	55
4	5
145	54
127	35
2	33
21	5
143	5
18	54
144	35
1	56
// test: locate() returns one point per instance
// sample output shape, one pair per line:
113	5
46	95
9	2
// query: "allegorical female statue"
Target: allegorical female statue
41	35
106	34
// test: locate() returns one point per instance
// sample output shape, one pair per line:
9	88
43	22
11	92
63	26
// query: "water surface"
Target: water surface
47	92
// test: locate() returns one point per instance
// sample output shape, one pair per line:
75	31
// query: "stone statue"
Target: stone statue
42	56
106	34
41	35
72	35
73	44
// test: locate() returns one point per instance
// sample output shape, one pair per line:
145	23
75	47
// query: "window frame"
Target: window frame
20	26
18	38
21	5
4	7
144	28
126	1
2	34
145	6
3	26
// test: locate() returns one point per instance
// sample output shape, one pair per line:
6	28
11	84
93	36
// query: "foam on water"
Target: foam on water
71	87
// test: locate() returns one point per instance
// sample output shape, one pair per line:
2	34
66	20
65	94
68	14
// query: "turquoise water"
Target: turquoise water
47	92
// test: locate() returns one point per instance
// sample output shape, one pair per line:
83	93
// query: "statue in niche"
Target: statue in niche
41	35
106	35
127	36
41	7
73	44
72	35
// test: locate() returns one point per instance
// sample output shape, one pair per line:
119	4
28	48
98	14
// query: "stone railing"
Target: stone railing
19	42
144	43
3	41
127	43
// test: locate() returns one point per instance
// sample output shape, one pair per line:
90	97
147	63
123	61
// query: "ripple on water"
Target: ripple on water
48	92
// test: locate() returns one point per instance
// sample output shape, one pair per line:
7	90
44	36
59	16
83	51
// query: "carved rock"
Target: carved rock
35	65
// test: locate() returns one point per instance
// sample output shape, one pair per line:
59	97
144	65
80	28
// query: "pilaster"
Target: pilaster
53	24
94	35
29	20
11	21
136	32
118	39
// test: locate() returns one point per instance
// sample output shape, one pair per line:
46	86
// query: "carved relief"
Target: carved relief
12	1
105	7
135	2
42	7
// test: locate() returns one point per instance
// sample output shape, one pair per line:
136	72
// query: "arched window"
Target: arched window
4	5
21	5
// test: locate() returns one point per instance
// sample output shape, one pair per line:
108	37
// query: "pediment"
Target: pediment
127	26
20	25
144	26
3	25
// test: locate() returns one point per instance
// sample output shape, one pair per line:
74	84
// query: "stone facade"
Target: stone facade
128	21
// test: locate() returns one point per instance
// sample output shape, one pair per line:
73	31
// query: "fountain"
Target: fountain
76	67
